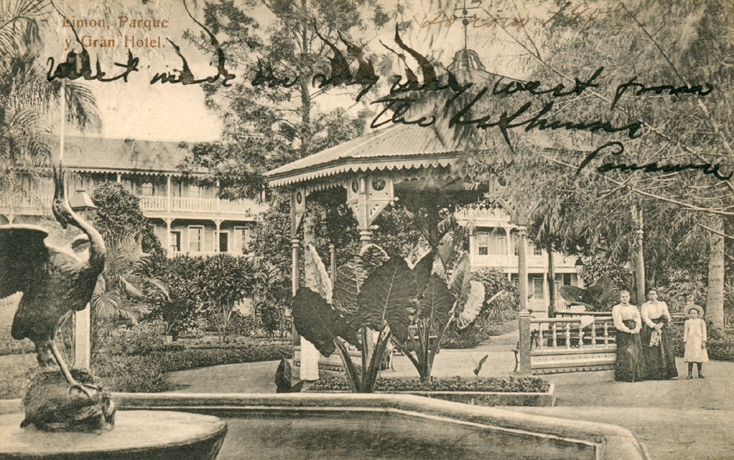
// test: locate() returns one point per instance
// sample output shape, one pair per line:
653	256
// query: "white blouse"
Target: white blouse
654	310
622	313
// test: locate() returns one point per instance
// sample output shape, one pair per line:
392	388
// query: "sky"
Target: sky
173	112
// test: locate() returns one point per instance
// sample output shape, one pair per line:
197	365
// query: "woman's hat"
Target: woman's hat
689	308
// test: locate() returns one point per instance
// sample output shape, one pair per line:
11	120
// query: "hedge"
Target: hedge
145	373
510	385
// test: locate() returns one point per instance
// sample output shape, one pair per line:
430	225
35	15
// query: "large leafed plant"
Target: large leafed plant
373	295
443	296
377	298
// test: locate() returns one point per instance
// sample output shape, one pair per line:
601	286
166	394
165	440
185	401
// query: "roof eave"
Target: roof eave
353	165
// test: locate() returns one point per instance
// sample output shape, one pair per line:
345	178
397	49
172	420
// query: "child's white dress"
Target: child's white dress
694	334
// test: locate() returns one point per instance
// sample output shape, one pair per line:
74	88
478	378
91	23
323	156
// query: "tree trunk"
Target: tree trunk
640	256
715	297
305	81
551	282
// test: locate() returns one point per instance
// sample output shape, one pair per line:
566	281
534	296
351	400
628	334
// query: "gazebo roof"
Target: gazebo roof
395	147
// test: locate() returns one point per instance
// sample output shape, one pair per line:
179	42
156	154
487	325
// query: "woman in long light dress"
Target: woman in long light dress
630	365
694	336
656	346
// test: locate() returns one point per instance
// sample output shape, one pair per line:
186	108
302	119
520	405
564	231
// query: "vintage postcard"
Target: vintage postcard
366	229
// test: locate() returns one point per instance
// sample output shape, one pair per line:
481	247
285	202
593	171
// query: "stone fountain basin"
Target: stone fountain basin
137	435
389	426
318	426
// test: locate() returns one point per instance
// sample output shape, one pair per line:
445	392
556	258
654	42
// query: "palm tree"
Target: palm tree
27	100
123	291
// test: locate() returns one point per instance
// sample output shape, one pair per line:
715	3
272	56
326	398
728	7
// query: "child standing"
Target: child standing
694	336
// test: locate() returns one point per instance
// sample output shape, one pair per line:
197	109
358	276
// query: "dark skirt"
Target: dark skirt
659	359
630	363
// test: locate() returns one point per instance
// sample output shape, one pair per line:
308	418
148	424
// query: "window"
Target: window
196	239
242	239
537	251
491	241
175	242
194	191
483	243
223	241
537	288
147	189
498	242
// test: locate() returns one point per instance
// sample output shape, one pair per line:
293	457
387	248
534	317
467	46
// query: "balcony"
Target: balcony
481	216
158	205
535	262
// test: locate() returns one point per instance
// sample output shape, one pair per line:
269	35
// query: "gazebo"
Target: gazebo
398	162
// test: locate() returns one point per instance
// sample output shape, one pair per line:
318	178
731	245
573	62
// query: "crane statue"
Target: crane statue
54	281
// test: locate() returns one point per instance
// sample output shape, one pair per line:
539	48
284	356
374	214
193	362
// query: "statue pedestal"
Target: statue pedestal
137	435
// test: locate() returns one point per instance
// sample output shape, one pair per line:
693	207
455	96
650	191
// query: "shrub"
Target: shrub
10	346
203	357
510	385
145	373
245	325
139	339
141	374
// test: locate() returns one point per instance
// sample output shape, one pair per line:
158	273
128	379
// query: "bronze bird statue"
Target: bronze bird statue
53	280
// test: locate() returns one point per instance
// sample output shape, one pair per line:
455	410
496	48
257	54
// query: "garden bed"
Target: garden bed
145	373
525	391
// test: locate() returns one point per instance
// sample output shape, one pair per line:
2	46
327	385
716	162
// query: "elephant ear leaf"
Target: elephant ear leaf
372	257
387	297
436	302
572	293
468	312
315	276
349	279
310	318
422	272
459	283
445	248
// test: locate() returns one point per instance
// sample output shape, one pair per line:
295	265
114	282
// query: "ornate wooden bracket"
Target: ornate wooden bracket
298	209
367	196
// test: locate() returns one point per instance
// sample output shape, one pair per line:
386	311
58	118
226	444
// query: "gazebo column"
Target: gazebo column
309	356
332	263
367	196
522	287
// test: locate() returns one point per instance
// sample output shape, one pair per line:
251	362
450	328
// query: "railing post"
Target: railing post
593	334
568	335
581	336
524	319
168	193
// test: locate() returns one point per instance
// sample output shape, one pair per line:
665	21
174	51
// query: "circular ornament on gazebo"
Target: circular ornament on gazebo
378	184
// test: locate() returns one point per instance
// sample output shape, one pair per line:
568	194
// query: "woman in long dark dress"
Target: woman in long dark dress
630	362
656	346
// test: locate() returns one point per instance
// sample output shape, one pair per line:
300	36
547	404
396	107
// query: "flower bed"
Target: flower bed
512	384
525	391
